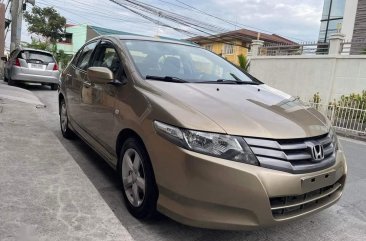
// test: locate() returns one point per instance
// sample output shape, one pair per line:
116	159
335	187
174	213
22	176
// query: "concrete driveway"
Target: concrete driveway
344	221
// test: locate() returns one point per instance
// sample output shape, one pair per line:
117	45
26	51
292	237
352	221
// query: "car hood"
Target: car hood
248	110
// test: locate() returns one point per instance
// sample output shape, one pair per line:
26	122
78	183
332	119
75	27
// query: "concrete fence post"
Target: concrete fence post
335	41
256	44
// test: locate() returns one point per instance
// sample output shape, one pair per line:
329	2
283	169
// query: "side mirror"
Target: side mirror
5	59
100	75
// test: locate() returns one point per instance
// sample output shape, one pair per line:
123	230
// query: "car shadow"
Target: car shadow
33	86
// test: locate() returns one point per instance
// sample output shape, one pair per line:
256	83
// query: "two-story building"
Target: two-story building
77	35
234	43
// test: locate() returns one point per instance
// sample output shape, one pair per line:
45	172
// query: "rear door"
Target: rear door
76	81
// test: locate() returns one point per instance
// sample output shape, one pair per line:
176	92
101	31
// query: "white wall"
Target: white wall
349	17
303	76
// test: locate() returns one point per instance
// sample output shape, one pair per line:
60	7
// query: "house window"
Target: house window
228	49
208	47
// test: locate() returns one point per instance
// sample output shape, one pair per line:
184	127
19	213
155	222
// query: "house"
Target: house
77	35
234	43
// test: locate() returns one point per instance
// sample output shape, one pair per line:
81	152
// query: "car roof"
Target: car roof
154	39
38	50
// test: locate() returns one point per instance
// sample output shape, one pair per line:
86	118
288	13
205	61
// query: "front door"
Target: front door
98	100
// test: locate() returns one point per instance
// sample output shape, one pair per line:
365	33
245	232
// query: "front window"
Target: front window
228	49
208	47
188	63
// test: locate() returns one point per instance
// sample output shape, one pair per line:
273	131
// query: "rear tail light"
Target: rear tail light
55	67
17	62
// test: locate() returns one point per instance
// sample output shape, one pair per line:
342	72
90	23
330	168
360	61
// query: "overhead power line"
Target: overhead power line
144	10
228	21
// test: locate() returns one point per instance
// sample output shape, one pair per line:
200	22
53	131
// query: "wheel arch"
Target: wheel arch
122	137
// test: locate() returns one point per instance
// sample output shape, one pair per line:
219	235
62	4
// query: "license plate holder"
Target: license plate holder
309	184
37	66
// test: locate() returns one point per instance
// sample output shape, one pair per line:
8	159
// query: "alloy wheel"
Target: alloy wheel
63	117
133	177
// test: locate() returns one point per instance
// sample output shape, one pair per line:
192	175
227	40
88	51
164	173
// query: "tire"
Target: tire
64	122
54	86
134	179
11	82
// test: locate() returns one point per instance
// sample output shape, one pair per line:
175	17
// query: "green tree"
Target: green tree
38	44
49	26
46	22
243	62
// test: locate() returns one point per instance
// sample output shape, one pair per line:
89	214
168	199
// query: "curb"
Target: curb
19	94
351	136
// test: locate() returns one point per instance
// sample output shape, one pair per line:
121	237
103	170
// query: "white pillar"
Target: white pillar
335	41
256	44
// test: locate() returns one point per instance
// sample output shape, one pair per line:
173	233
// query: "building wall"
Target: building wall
218	48
349	18
303	76
79	37
359	30
91	34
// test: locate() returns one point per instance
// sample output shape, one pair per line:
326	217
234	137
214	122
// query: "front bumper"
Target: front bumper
209	192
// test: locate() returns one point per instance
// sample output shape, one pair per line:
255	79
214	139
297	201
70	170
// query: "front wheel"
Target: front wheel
11	82
54	86
64	121
139	188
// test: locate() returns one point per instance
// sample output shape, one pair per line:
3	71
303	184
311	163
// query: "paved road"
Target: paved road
344	221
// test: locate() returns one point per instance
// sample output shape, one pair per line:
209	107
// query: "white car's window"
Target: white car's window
36	56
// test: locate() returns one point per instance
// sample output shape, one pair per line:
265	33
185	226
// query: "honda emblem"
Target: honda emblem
317	152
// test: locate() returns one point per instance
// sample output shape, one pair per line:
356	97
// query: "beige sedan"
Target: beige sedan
198	139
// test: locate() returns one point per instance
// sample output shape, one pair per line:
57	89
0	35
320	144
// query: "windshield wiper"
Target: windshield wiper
166	79
228	81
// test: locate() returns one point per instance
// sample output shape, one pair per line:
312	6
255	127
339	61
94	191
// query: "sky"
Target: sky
295	19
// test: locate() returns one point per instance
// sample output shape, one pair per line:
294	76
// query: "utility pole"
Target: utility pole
16	23
2	29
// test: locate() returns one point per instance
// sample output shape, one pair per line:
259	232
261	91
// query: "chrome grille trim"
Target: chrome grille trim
293	156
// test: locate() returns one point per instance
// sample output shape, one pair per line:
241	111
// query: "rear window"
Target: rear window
36	57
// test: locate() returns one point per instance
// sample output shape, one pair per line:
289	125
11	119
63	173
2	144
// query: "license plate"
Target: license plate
37	66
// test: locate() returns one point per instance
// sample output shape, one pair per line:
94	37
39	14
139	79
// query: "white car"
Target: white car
32	65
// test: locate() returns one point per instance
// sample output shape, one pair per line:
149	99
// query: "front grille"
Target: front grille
294	156
283	207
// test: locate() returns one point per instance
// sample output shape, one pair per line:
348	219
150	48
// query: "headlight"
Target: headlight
334	137
212	144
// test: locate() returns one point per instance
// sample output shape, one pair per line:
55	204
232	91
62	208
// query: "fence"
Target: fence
295	49
353	48
348	116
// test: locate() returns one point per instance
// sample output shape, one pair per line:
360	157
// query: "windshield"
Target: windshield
188	63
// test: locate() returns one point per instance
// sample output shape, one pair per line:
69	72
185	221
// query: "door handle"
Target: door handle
87	84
